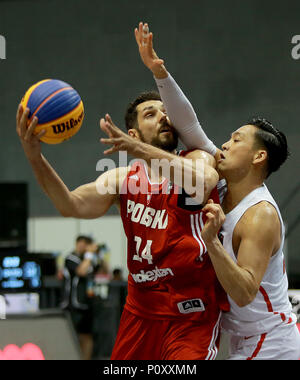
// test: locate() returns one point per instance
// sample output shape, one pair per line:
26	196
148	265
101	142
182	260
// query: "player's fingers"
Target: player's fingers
107	141
31	128
23	122
208	207
19	115
141	32
41	134
111	141
109	120
145	34
210	216
150	44
136	34
212	207
105	127
218	213
111	150
113	130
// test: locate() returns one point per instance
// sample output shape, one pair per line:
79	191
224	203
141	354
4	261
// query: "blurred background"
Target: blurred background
233	60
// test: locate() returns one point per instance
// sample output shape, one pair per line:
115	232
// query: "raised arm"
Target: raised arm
195	173
179	109
86	201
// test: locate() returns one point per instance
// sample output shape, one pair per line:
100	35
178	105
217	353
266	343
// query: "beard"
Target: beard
168	142
164	141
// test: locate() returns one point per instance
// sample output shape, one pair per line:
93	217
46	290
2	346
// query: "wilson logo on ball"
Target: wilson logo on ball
60	128
57	106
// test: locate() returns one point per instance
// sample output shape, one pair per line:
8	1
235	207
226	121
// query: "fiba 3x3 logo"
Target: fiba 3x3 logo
2	47
2	308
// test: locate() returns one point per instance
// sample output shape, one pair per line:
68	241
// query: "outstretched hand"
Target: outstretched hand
116	137
144	40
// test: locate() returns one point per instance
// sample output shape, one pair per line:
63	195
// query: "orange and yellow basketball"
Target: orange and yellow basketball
57	106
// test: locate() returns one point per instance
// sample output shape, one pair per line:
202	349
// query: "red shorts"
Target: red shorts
146	339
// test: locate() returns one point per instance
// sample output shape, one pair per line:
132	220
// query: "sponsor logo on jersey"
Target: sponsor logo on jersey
147	216
191	306
152	275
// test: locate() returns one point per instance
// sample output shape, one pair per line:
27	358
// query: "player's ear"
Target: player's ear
260	156
134	133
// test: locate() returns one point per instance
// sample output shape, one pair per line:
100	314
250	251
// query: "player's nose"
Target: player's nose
163	118
225	146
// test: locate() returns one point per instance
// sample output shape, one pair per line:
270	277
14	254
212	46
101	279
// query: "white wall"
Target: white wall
58	234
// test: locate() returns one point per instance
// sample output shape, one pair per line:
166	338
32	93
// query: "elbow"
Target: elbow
243	301
69	210
66	213
245	298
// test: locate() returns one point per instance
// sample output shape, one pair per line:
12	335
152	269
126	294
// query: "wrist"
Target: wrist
212	242
33	158
160	73
140	150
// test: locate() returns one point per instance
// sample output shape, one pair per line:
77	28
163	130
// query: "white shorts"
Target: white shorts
281	343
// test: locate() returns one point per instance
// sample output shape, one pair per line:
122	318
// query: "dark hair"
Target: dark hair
131	112
117	271
273	141
87	239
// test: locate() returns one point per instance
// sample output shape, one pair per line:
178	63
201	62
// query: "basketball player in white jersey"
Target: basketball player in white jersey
249	262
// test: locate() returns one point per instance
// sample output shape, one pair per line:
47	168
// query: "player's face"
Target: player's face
238	153
155	127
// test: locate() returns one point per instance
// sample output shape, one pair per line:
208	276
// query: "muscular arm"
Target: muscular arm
195	173
256	237
85	202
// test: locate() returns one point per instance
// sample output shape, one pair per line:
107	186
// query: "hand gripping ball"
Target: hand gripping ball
57	106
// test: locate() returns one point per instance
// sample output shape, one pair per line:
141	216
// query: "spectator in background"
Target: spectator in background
103	255
117	275
79	269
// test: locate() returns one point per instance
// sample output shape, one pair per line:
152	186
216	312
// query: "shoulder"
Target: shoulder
201	154
261	212
72	259
260	219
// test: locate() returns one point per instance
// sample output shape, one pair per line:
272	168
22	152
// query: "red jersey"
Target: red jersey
170	272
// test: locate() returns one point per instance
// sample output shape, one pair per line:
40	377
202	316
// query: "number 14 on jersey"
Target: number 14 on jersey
146	253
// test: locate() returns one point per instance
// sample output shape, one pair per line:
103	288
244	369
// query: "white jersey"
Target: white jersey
271	306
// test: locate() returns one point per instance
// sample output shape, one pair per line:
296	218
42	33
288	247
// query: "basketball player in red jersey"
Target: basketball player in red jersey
174	300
